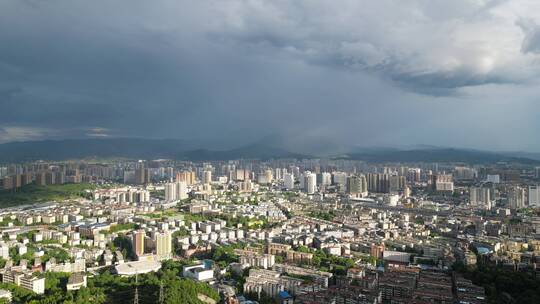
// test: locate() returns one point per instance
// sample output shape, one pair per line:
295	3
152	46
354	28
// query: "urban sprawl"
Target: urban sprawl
275	231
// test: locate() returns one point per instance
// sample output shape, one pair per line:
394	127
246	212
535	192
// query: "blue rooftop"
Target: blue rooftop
483	250
284	295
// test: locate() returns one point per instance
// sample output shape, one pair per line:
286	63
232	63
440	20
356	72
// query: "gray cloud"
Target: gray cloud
229	72
531	42
424	46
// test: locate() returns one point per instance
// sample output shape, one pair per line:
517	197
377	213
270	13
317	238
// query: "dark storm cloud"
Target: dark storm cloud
531	42
230	72
423	46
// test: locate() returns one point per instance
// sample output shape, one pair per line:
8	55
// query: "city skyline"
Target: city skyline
454	74
269	151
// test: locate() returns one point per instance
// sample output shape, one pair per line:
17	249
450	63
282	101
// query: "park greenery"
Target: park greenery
327	216
113	289
503	285
327	262
58	253
225	255
30	194
123	227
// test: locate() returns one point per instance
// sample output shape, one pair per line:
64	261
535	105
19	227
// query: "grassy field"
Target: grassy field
30	194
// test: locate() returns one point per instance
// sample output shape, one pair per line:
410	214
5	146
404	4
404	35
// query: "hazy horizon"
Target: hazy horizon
308	148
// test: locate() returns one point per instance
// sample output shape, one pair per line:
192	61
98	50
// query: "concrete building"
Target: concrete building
76	281
256	259
288	181
199	272
516	197
207	177
326	179
181	190
392	257
442	183
270	282
137	267
534	196
479	196
357	186
138	242
310	182
24	280
163	242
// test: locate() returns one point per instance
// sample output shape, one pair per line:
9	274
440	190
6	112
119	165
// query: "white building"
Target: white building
181	190
288	180
163	241
207	177
4	251
516	198
137	267
6	295
310	182
340	178
479	196
199	272
396	256
170	192
534	196
326	179
493	178
24	280
76	281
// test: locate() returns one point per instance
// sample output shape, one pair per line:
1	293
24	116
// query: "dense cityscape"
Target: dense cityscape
270	152
274	231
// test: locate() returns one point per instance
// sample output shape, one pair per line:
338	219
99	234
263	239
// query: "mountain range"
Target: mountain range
268	148
132	148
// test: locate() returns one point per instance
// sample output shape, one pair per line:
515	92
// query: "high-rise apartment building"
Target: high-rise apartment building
339	178
326	179
181	190
396	183
269	175
142	174
310	182
442	183
186	176
278	173
516	197
163	242
170	192
357	185
288	181
479	196
138	242
378	182
464	173
245	186
207	177
534	196
414	175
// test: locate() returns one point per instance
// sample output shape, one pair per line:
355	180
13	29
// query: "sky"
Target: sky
460	73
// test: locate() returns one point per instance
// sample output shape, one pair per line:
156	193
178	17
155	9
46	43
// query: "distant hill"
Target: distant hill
255	151
436	155
93	148
137	148
131	148
535	156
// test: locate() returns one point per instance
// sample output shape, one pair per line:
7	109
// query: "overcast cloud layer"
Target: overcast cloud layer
383	72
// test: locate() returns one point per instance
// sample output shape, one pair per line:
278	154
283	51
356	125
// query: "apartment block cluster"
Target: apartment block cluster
16	176
157	242
417	220
400	285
